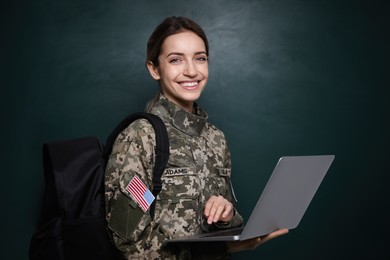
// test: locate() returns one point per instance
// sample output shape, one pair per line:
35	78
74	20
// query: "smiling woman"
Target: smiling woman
196	194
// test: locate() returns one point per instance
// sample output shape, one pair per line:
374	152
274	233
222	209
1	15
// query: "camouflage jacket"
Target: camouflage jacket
199	166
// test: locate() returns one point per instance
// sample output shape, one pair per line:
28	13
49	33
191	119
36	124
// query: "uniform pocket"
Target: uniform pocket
221	182
179	183
127	219
178	202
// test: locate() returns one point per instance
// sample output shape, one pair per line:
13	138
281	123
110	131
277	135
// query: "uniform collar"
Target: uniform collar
189	123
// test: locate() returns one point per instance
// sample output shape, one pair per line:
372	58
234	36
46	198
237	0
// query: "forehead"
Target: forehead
183	42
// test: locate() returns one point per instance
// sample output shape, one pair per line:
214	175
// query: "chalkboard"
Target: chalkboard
286	78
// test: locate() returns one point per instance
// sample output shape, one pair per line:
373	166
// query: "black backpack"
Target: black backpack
72	223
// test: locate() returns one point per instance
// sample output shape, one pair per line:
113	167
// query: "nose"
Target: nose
190	69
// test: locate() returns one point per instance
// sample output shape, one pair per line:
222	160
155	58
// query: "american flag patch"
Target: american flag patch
140	193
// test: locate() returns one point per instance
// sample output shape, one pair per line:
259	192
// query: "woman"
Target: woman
196	195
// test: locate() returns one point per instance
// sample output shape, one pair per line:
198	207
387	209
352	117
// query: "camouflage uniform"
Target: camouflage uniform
198	167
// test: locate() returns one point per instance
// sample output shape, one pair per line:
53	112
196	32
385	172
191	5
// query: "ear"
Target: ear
153	70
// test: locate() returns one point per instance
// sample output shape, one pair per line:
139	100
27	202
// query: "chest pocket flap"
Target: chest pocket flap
179	183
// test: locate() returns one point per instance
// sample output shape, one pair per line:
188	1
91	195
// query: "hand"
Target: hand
250	244
218	209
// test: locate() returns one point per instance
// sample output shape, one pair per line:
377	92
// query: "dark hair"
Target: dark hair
170	26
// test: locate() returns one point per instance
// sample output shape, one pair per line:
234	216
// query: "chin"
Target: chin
192	97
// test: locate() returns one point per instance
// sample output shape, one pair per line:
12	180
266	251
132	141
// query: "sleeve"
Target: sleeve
132	155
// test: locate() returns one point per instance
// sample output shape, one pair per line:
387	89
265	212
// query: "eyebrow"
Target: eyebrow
182	54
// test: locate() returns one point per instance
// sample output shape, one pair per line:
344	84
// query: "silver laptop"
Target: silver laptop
283	201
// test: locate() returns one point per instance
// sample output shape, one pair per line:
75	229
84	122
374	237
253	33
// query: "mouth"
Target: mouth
189	85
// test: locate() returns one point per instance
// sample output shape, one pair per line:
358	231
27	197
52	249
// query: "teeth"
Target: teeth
189	84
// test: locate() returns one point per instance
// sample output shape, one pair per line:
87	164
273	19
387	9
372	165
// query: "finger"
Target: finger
228	209
216	207
218	211
278	233
213	212
273	235
224	211
208	206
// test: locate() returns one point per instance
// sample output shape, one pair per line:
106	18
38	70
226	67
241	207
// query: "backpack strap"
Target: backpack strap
161	149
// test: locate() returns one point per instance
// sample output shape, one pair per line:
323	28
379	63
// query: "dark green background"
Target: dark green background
286	78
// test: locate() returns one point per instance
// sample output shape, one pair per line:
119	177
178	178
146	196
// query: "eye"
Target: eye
175	60
201	59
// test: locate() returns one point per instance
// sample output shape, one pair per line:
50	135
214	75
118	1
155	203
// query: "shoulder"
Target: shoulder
213	131
140	133
215	136
137	129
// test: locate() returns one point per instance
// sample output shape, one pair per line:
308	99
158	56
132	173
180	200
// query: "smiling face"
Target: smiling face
182	69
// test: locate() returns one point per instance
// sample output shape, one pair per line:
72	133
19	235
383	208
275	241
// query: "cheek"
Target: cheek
205	75
204	70
168	74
